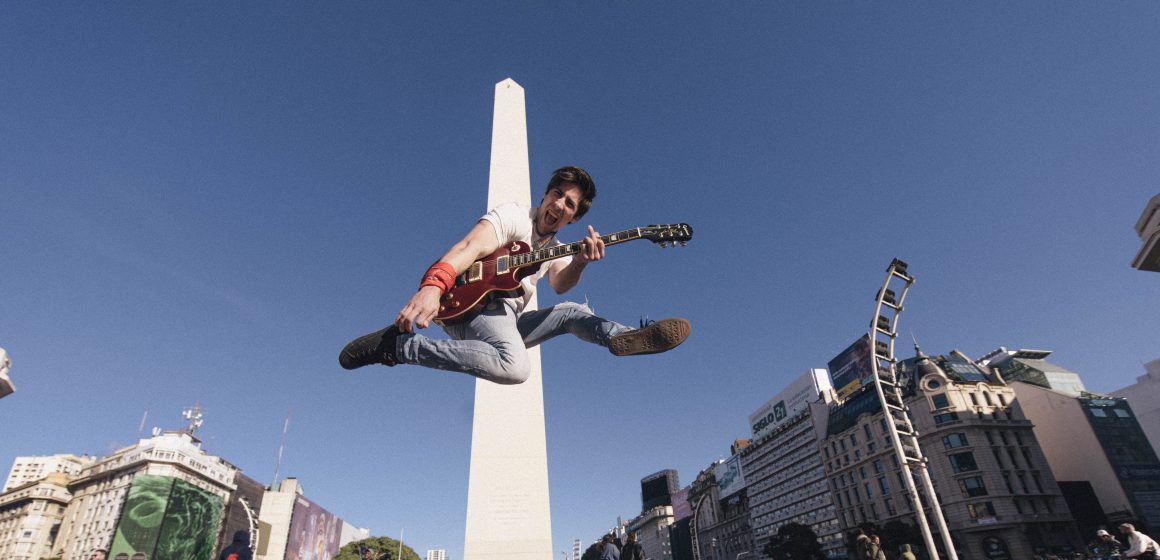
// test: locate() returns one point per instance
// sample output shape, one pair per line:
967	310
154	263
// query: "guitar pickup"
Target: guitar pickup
474	272
501	265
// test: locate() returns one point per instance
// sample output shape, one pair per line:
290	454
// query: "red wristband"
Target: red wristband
441	275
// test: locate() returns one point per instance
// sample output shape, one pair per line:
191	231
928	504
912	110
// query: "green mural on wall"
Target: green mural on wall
167	519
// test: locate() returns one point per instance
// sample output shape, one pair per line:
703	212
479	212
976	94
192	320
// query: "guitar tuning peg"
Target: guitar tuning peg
684	244
664	244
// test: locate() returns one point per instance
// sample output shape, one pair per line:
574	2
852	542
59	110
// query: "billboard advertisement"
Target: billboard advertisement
657	489
729	477
789	402
314	532
167	519
681	506
853	368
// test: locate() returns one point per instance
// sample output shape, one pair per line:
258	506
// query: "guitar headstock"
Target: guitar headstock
668	234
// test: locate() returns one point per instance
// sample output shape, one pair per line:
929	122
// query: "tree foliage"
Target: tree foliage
794	541
592	553
385	548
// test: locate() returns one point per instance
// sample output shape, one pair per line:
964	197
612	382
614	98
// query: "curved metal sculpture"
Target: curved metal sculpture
883	331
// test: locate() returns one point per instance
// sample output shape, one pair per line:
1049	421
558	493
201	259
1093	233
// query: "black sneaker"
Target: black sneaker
653	337
375	348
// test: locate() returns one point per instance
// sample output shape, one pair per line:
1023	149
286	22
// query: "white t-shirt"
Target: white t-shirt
515	222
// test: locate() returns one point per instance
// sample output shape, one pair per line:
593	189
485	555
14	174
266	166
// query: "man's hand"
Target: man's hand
591	248
419	311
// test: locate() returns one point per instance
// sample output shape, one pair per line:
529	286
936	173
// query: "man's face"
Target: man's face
97	556
558	208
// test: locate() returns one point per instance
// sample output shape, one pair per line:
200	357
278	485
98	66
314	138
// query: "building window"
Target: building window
878	466
963	462
871	447
940	401
884	485
980	509
987	398
869	494
1038	482
1099	413
973	486
866	427
862	471
1122	413
954	440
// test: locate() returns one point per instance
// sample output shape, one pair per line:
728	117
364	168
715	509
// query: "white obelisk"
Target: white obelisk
508	517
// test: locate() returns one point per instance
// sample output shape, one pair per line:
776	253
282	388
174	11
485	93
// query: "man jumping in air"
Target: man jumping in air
492	345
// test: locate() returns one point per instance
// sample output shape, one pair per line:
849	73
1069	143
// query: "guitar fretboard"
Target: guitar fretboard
558	251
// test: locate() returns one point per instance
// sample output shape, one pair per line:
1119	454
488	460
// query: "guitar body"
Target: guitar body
485	280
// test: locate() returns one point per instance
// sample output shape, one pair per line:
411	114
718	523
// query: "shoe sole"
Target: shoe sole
348	358
660	336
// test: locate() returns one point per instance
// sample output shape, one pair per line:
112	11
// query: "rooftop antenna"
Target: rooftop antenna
141	427
194	417
281	446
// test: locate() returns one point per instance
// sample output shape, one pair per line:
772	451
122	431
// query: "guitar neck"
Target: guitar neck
567	249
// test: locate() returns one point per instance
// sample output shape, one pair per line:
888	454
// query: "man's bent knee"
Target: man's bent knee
513	368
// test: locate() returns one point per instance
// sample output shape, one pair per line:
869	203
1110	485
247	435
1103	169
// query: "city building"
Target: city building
992	480
31	515
719	527
652	532
784	475
123	490
1098	450
31	469
438	554
243	509
652	525
6	386
1144	396
1148	228
293	527
1030	366
680	532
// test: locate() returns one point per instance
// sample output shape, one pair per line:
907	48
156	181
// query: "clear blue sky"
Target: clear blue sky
205	201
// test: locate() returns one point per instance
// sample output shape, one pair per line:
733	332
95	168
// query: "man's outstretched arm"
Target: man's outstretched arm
479	242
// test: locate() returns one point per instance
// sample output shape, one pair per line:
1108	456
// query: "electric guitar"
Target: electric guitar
499	274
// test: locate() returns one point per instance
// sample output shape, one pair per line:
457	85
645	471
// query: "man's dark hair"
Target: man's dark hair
581	179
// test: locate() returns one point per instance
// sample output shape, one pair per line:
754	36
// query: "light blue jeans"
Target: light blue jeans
493	345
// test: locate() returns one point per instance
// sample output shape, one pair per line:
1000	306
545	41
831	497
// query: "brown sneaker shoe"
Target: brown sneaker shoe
652	338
